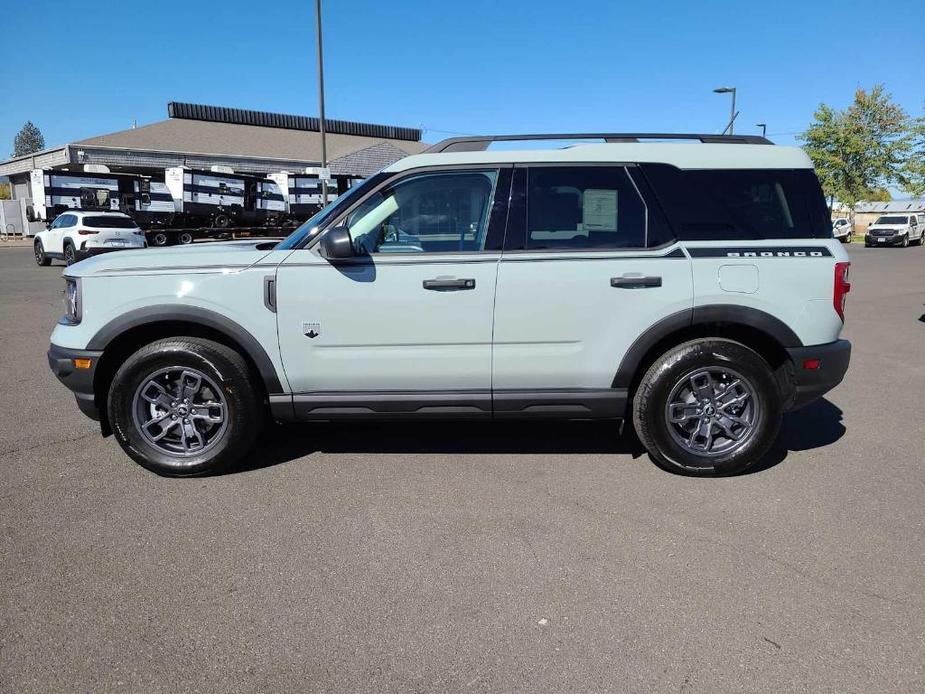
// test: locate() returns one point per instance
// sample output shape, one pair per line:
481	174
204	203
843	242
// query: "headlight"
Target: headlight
72	302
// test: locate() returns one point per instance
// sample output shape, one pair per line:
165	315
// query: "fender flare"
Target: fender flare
701	315
191	314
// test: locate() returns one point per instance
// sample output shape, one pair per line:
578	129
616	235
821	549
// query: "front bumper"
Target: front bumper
812	384
894	240
80	381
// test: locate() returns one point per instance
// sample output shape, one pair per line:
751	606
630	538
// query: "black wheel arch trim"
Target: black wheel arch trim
191	314
700	315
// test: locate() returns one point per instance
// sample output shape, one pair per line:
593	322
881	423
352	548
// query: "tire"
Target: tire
185	238
221	221
159	238
69	253
40	257
918	241
148	375
671	377
905	243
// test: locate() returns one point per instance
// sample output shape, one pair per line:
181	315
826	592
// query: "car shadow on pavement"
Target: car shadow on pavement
814	426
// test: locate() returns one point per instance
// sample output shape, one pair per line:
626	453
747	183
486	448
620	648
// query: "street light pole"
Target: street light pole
324	152
732	110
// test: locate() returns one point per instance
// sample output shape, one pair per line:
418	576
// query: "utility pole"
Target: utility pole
732	111
764	129
324	151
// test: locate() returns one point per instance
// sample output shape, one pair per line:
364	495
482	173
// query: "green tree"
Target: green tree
861	149
913	174
4	191
28	140
878	195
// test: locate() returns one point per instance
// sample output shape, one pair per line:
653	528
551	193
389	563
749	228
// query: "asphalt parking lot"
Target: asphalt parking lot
410	557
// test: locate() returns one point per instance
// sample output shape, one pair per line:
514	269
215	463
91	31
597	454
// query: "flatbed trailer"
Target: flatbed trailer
159	236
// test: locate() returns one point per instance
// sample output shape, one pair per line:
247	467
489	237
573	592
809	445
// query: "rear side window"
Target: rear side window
741	204
107	222
579	207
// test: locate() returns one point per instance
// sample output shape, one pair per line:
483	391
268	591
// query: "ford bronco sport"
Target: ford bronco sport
693	289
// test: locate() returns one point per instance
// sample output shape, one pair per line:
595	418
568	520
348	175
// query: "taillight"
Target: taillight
86	232
842	287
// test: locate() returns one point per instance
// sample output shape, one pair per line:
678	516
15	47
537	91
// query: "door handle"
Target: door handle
635	281
449	285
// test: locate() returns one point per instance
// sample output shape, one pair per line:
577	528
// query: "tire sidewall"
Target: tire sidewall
666	373
242	411
39	252
69	259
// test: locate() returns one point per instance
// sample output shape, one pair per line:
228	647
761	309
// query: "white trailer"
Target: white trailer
55	191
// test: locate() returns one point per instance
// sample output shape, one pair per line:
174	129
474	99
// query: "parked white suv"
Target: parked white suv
896	230
694	289
841	230
75	235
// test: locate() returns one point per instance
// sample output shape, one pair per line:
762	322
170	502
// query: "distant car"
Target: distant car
896	230
841	229
76	235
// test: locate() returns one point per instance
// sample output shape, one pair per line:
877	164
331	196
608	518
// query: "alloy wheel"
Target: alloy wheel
712	411
180	411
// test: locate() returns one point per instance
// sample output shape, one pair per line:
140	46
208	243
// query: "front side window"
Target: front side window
441	212
583	207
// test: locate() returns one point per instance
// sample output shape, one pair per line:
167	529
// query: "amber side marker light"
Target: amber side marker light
82	363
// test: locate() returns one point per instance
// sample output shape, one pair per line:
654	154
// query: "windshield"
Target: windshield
316	222
892	220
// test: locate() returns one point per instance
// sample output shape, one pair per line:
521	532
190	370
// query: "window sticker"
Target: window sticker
599	209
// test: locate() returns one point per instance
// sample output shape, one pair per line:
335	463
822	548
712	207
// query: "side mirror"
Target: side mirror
336	244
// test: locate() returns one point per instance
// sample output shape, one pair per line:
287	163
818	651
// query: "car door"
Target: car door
56	233
404	326
588	266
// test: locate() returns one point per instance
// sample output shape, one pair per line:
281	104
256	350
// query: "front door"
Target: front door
405	326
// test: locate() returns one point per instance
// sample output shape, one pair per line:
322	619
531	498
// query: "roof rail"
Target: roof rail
479	143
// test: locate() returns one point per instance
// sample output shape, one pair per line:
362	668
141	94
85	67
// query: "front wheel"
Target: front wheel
40	257
708	407
184	406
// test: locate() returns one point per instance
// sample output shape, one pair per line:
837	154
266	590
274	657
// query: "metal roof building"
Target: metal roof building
200	136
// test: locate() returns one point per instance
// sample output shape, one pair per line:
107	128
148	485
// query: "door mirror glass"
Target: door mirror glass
336	244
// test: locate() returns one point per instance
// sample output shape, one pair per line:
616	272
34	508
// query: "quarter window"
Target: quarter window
580	207
429	213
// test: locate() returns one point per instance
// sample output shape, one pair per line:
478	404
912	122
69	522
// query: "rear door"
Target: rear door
62	224
588	266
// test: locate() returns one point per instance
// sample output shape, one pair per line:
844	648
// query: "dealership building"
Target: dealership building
200	137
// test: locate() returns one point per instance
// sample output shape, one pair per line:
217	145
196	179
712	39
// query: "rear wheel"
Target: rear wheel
185	238
184	406
69	254
708	407
159	238
40	257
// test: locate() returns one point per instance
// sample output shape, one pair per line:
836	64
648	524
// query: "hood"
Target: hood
887	227
206	257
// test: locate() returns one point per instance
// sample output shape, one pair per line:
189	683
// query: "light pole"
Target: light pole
764	129
732	111
324	152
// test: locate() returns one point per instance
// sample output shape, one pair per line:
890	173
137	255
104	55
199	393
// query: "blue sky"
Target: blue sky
78	69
